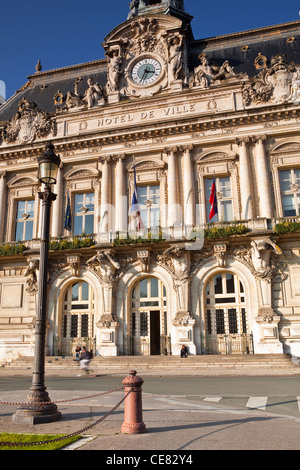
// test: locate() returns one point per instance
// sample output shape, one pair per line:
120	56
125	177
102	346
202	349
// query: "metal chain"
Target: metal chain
68	436
60	401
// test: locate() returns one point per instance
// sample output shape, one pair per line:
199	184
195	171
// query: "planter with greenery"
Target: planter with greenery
288	226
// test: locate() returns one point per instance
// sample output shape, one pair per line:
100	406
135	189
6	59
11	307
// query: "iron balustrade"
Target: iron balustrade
229	344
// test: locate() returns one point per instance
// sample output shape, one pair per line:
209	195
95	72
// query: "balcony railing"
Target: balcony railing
154	235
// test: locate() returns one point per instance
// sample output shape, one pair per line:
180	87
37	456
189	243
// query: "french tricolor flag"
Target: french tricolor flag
213	200
135	207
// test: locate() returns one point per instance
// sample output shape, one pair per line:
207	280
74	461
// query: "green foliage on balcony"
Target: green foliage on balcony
73	244
289	226
147	238
215	232
9	250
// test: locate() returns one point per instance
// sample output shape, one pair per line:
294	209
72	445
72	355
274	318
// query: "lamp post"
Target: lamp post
38	407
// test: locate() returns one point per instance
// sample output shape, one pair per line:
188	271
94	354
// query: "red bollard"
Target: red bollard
133	413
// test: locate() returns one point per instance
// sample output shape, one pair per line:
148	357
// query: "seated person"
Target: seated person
184	351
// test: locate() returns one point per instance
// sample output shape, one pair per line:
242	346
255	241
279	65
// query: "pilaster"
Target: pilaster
245	179
188	187
121	199
173	190
263	178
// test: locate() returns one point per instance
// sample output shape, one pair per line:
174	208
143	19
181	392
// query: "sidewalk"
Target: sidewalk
172	423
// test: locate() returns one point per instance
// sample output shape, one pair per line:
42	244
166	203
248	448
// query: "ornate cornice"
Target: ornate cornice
186	125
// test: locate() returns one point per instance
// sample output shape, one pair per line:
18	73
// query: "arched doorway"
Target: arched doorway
148	319
77	326
226	323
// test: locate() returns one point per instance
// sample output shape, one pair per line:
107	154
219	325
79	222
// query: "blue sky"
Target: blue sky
65	32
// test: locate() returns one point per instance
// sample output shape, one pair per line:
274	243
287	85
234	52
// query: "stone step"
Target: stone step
261	364
186	363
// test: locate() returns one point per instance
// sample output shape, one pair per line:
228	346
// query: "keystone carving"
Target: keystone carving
105	265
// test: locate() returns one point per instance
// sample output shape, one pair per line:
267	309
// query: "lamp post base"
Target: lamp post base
38	409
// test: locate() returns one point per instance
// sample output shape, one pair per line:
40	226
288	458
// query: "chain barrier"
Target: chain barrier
60	401
68	436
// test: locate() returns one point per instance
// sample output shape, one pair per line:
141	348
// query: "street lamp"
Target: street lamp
38	407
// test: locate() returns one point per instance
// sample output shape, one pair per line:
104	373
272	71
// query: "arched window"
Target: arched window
225	313
148	317
78	317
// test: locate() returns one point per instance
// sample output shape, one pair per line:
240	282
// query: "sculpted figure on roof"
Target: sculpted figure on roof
205	74
93	96
114	70
175	57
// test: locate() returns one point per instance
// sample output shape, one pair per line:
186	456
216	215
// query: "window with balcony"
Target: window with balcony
24	220
224	197
84	210
290	192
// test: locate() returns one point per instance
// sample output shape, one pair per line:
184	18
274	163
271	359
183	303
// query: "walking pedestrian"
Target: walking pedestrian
85	360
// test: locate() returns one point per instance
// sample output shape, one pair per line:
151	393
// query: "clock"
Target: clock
146	71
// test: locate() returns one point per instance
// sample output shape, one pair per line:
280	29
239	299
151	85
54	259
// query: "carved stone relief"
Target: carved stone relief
279	83
74	264
105	265
262	258
178	262
28	124
31	274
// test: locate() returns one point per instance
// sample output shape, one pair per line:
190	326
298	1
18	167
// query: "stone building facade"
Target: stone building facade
163	115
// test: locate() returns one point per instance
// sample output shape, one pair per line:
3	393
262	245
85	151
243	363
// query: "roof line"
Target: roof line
250	32
63	69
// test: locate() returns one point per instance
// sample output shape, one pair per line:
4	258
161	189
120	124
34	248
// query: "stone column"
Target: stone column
57	212
173	207
263	178
245	179
3	197
188	187
121	200
105	212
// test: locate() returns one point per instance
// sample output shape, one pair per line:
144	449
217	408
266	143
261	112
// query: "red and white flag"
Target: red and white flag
213	200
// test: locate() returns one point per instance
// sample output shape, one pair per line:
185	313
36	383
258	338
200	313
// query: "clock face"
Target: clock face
146	71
